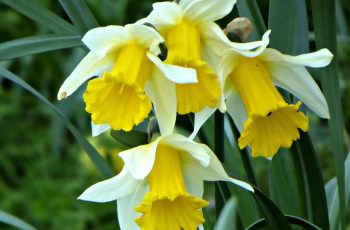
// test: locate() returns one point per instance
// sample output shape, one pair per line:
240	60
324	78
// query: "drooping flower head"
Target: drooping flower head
161	184
193	40
130	76
266	121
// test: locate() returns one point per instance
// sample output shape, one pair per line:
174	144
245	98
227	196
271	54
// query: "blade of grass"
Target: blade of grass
13	221
37	12
80	14
37	44
323	15
95	157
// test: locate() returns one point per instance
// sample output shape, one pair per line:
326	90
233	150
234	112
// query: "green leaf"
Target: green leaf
37	44
80	14
227	217
35	11
14	221
275	218
288	18
333	196
130	139
291	219
95	157
250	9
323	15
314	182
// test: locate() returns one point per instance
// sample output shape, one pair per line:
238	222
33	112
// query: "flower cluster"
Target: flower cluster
178	61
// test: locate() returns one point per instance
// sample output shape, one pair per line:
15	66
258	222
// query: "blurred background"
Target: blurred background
42	168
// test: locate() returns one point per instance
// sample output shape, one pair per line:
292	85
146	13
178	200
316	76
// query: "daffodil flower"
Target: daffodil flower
266	121
194	40
161	184
131	76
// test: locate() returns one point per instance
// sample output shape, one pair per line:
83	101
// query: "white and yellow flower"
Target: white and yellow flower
161	184
194	40
131	76
266	121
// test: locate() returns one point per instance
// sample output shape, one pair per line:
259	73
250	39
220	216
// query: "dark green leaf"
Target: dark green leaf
37	44
314	183
323	15
95	157
291	219
80	14
35	11
14	221
130	139
275	218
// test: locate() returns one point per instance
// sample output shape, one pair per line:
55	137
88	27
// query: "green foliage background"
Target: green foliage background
43	170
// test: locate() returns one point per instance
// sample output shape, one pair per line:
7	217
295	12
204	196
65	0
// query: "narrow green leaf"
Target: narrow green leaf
95	157
250	9
37	12
37	44
14	221
260	224
315	185
80	14
227	217
323	15
333	197
130	139
288	18
275	218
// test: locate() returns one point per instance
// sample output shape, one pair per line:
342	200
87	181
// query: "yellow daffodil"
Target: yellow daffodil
130	77
161	184
193	40
266	121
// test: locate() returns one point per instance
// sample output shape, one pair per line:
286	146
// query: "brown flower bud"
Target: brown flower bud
239	27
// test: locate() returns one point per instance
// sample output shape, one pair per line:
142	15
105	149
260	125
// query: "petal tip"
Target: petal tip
62	95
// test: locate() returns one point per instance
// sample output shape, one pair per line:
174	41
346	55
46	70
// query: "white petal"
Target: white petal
206	10
174	73
145	36
316	59
227	64
98	129
163	96
164	15
188	146
193	180
112	189
297	80
101	40
215	171
258	47
126	207
236	109
199	119
140	160
90	66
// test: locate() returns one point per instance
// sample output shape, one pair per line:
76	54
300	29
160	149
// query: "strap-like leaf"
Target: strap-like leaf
35	11
323	15
95	157
260	224
80	14
37	44
14	221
